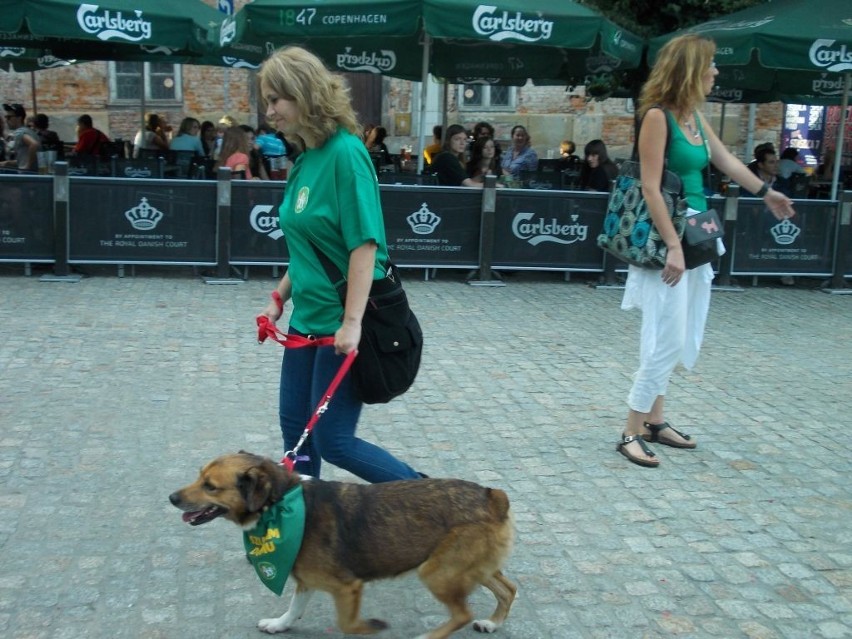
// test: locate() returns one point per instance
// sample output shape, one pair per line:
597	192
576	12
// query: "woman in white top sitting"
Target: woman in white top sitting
152	137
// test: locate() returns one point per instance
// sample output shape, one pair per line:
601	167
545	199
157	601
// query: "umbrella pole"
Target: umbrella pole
424	84
33	89
841	129
752	111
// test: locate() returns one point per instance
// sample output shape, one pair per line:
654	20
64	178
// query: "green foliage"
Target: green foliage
651	18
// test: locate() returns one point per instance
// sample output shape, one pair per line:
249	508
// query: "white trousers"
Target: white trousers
673	320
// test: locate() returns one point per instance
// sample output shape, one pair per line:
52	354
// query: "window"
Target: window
161	82
478	97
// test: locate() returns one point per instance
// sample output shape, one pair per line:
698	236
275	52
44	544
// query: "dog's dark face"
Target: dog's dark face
235	487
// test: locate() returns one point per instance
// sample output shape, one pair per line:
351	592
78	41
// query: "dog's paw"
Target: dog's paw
272	626
485	625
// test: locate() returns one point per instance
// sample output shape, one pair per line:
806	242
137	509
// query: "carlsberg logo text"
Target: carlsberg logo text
826	55
504	25
109	24
537	231
371	62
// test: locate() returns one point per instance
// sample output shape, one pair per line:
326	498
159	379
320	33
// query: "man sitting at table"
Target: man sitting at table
22	144
90	141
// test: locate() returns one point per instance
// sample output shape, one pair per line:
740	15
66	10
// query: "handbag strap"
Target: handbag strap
337	279
335	276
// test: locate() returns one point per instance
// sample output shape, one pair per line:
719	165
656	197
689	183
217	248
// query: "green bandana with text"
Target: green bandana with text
274	542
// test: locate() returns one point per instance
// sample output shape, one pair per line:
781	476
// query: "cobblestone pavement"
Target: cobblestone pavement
114	391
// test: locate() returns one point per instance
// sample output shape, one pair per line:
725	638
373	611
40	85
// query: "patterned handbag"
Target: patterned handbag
628	231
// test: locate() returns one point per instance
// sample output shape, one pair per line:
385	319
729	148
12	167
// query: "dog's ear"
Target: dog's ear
255	487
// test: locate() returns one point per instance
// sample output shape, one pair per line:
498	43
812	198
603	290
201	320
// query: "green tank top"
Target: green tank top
688	161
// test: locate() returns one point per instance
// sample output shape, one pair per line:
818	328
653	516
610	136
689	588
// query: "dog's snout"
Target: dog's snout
175	498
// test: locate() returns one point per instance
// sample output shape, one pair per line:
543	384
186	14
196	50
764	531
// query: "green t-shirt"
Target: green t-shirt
332	200
688	161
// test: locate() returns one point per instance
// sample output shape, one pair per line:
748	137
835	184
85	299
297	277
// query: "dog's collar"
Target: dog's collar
274	541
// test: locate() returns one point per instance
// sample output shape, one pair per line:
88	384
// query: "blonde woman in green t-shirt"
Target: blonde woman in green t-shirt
331	202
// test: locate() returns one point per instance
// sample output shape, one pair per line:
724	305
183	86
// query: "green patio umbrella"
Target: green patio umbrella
184	25
21	59
797	51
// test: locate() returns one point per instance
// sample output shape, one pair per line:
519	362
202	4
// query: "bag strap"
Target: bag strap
333	273
668	132
337	279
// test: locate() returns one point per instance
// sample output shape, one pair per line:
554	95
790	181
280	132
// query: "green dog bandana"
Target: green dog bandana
274	542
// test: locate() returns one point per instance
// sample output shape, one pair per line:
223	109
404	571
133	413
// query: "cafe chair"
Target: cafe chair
179	164
541	180
87	166
570	180
549	165
138	167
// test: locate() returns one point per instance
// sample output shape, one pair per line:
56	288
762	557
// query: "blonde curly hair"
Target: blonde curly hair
677	79
323	97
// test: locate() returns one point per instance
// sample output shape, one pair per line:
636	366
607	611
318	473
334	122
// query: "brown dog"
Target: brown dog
457	535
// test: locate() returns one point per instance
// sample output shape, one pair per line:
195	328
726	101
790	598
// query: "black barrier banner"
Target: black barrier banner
26	218
548	230
122	221
801	245
256	237
432	226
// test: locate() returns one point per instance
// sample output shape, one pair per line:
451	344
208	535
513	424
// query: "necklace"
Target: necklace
691	129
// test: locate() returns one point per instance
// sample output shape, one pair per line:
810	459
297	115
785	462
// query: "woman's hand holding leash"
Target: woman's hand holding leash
347	337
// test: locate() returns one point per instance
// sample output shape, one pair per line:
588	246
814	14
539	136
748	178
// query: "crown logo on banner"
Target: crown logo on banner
143	217
785	232
423	221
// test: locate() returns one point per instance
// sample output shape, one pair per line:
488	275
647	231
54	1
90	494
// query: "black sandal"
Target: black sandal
642	461
654	436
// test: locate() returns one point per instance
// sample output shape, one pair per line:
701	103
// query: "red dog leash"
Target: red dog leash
266	329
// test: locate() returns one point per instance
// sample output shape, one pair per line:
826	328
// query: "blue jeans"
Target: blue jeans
305	375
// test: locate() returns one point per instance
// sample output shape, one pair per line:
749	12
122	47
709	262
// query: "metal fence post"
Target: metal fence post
486	235
726	262
223	230
61	269
843	246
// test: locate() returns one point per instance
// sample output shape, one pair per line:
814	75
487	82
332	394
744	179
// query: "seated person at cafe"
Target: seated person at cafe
765	166
49	139
483	160
763	146
235	151
258	169
434	149
449	163
90	141
598	170
22	143
787	165
568	161
152	137
485	129
521	156
188	137
374	140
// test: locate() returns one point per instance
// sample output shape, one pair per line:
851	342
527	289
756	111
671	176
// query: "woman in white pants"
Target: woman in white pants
674	301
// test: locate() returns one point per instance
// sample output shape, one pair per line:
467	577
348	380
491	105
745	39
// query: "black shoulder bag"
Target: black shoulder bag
391	339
